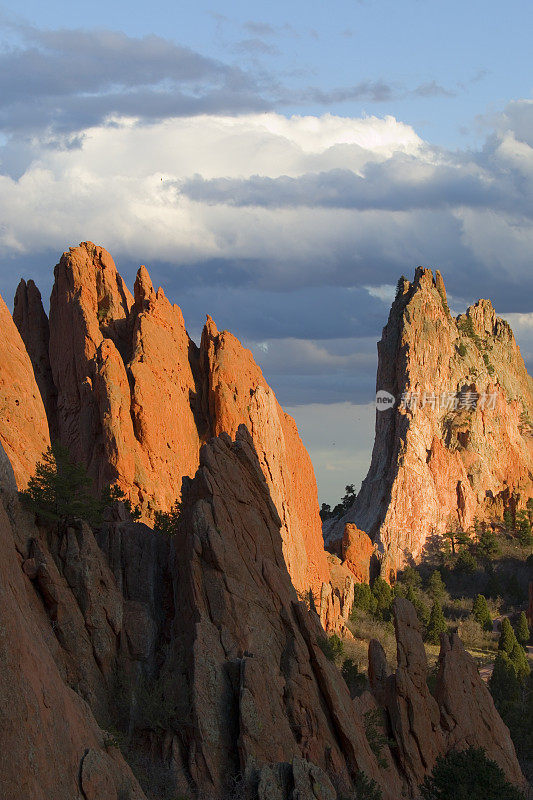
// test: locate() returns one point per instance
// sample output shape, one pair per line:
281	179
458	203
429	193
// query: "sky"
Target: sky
279	167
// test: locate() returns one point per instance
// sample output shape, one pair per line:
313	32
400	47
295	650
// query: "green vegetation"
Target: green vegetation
468	775
355	679
366	788
461	349
464	581
481	612
113	494
340	508
167	522
436	625
332	647
375	726
522	630
61	489
466	326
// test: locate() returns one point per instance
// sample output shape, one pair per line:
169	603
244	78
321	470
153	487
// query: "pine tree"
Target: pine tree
436	587
503	683
468	775
167	522
522	630
436	624
61	489
520	662
384	597
507	637
481	612
421	611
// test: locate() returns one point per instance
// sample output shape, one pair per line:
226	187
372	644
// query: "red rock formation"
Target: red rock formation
50	743
135	400
236	393
441	463
23	426
460	714
124	377
254	649
30	318
357	552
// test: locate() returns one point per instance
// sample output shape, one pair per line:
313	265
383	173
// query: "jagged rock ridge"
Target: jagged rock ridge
200	652
133	398
443	463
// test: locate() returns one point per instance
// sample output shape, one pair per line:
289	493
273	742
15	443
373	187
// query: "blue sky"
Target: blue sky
447	65
278	167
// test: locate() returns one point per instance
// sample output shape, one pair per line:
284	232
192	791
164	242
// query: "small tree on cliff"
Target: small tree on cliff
167	522
60	489
436	624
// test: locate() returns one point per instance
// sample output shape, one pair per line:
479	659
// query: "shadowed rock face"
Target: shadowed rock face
198	649
30	318
438	466
23	426
461	713
260	692
50	743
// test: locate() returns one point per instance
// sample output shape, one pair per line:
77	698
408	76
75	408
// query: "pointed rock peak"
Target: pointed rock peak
210	327
28	295
90	269
483	317
423	278
144	289
439	283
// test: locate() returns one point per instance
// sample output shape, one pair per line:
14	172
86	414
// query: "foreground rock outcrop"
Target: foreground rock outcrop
197	654
460	713
458	444
50	743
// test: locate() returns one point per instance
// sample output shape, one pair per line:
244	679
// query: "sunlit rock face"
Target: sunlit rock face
133	398
458	443
23	424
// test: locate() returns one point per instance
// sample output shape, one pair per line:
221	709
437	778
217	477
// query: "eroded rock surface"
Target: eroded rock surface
50	743
460	714
462	448
136	399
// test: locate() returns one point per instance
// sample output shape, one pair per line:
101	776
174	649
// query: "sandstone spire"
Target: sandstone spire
30	318
460	446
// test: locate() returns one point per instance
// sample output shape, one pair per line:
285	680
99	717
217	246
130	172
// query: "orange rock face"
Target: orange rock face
236	393
23	425
460	446
125	383
357	551
136	399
